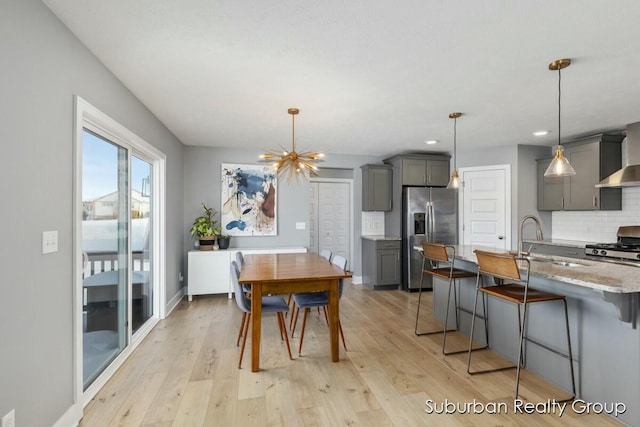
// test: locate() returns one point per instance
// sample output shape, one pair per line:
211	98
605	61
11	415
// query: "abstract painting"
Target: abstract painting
248	200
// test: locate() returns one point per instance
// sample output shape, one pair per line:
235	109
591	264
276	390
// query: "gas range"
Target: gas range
626	248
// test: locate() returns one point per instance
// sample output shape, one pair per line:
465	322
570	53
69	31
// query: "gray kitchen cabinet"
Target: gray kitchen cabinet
422	169
550	188
376	187
593	159
428	172
381	263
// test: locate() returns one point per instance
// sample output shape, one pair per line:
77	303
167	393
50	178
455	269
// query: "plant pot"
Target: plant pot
223	242
207	242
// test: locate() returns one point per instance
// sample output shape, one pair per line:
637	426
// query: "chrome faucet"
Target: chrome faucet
539	236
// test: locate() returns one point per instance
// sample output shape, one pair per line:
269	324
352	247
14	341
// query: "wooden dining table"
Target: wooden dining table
287	273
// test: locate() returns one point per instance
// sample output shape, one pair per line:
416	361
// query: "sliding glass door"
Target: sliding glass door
117	247
106	254
141	241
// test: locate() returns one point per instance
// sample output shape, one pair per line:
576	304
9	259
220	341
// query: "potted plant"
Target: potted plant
223	241
206	229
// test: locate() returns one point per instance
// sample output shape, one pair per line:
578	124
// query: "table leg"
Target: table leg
334	318
256	319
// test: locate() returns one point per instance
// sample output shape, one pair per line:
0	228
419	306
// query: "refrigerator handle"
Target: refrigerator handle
433	221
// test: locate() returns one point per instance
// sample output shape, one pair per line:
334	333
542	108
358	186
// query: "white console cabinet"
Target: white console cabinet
208	271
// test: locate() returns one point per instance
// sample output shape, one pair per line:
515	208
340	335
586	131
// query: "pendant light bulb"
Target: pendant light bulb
454	182
560	165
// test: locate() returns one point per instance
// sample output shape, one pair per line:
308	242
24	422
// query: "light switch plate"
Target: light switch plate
301	225
49	242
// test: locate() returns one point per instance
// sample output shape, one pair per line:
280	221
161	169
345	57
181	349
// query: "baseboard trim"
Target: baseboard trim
356	280
173	302
71	418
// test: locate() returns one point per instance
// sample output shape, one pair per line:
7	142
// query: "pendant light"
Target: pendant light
294	165
454	182
559	166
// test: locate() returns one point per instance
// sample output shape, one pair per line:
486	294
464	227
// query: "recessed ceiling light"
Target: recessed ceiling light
541	133
431	141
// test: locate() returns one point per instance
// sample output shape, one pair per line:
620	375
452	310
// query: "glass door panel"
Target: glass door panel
105	246
141	242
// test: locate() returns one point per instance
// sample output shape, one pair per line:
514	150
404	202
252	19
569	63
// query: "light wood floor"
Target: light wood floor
185	374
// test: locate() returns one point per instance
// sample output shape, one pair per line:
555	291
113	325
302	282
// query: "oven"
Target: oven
626	248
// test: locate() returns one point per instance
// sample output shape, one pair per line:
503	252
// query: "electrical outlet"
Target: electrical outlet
180	277
49	241
9	420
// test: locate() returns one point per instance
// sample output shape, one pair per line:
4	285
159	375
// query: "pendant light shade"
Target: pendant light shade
291	164
454	182
560	165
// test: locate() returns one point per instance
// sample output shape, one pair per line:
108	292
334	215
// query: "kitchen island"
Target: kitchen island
603	300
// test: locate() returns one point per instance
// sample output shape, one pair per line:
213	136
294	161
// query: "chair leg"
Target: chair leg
283	332
418	310
326	317
244	316
573	378
452	284
294	320
344	344
521	344
304	323
244	338
473	322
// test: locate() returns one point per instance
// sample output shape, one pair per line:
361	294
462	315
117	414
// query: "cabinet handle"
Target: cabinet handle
595	201
563	203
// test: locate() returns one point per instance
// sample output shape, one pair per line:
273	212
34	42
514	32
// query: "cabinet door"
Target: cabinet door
438	172
379	189
388	267
414	172
579	190
550	189
208	272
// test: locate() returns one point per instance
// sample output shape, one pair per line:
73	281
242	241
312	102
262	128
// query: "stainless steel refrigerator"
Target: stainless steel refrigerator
428	213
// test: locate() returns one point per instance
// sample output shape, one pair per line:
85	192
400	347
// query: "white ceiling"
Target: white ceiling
369	76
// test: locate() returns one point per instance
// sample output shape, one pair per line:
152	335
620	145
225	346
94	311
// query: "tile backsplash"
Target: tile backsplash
373	223
597	226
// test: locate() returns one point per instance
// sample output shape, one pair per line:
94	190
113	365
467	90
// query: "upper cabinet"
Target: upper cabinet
376	187
423	169
593	159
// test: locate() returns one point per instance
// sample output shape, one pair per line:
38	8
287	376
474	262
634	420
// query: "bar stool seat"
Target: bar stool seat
433	254
502	267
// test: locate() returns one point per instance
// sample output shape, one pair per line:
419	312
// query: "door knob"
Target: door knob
500	237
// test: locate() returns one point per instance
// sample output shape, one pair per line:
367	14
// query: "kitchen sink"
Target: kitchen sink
539	259
568	264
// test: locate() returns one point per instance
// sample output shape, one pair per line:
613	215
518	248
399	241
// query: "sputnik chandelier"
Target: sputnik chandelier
291	164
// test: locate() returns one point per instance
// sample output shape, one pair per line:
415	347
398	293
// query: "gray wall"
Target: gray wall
528	188
44	65
523	178
202	167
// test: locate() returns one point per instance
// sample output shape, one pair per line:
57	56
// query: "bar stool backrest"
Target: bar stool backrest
500	265
435	251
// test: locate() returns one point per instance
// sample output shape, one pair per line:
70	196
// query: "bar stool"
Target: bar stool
432	255
503	266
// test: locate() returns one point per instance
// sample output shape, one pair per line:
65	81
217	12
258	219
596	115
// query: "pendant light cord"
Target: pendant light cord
455	120
559	104
293	133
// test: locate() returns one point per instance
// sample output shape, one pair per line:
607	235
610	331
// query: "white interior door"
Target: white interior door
485	206
330	222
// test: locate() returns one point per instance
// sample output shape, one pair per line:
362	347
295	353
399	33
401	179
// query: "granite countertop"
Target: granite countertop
381	237
561	242
620	278
598	275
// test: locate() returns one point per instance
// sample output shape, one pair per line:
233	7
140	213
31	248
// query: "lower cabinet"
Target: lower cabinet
381	263
208	271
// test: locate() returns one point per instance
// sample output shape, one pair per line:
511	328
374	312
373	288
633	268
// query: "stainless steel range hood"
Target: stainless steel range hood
628	176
